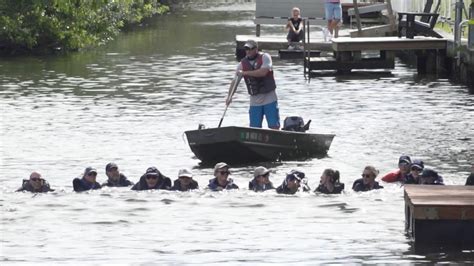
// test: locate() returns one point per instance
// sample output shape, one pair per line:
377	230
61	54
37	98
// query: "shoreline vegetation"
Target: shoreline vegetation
56	26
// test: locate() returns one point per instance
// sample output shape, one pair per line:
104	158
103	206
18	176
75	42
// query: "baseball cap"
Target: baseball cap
220	166
109	166
260	171
404	159
418	164
295	174
250	44
152	171
185	172
89	170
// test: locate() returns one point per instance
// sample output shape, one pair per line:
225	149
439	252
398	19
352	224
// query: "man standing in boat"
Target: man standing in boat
256	69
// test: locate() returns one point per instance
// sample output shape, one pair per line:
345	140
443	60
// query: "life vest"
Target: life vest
258	85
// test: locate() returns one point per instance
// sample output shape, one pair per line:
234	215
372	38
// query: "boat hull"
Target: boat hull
244	144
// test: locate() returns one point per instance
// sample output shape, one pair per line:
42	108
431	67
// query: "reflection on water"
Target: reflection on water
131	101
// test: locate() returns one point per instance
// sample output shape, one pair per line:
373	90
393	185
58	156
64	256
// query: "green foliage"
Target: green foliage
68	24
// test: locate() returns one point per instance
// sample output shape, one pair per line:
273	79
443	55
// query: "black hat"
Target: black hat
295	174
109	166
404	159
152	171
418	164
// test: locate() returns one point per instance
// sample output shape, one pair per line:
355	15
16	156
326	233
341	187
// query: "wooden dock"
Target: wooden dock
440	215
274	43
349	53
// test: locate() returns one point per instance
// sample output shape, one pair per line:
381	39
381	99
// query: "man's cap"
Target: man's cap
250	44
152	171
260	171
295	174
220	166
109	166
418	164
90	170
185	172
404	159
429	173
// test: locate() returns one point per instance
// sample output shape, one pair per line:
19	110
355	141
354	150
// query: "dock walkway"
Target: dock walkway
440	215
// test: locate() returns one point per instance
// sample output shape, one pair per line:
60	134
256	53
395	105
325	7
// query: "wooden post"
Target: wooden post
391	17
356	12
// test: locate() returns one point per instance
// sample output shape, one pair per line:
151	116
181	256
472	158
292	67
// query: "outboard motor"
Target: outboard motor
295	123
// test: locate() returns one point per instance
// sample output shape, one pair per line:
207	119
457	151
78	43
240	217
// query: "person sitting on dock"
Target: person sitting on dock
399	175
35	184
115	178
261	180
221	180
153	179
294	181
430	177
330	183
470	178
415	171
256	69
185	181
295	29
367	182
87	182
333	16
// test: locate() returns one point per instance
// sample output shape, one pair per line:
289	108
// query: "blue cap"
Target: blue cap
418	164
404	159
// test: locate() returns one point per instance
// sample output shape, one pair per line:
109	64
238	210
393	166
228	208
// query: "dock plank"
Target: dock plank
277	43
429	195
346	44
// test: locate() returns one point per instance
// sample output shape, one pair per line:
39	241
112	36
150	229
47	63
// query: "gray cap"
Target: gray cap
90	170
220	166
185	172
260	171
250	44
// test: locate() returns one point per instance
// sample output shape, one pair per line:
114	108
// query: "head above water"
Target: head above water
260	171
295	12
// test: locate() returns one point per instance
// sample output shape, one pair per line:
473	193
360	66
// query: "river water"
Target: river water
130	102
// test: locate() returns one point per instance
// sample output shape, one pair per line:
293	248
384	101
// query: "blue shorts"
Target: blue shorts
333	11
271	113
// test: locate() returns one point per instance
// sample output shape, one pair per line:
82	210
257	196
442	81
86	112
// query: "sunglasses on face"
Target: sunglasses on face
416	169
248	49
91	174
365	176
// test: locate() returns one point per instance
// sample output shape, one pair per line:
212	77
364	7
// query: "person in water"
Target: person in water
185	181
87	182
295	28
293	182
399	175
115	178
261	180
35	184
221	180
416	168
153	179
430	177
330	183
367	182
257	70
